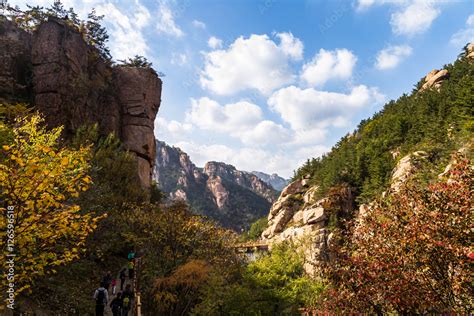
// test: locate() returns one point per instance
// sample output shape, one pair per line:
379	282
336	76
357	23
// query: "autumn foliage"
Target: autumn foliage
411	253
40	181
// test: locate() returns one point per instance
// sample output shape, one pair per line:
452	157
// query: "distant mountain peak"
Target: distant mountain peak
277	182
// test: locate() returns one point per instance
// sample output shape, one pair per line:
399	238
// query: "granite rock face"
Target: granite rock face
73	86
232	197
435	78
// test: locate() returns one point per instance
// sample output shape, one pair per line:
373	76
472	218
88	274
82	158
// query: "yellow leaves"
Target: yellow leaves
64	161
40	178
5	147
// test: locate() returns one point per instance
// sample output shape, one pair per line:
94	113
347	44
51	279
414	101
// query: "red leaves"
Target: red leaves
409	253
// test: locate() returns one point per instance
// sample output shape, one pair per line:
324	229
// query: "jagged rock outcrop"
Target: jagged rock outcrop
277	182
232	197
470	51
434	79
73	86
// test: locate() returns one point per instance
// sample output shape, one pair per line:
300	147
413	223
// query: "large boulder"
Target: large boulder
434	79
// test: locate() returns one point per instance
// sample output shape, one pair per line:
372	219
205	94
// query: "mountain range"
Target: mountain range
231	197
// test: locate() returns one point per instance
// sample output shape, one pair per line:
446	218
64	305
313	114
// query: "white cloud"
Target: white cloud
414	18
465	35
242	120
210	115
308	109
214	42
256	62
171	130
411	16
291	46
265	133
391	56
327	65
166	23
125	29
179	59
198	24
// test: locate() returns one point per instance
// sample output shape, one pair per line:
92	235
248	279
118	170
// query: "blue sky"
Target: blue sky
266	84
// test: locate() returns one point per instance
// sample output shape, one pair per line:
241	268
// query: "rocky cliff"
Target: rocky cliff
299	214
72	86
232	197
277	182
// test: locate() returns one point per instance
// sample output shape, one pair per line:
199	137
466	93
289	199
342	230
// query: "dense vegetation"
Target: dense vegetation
411	254
434	121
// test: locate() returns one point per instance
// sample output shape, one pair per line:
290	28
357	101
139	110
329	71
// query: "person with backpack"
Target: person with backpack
127	298
123	276
131	269
116	305
101	299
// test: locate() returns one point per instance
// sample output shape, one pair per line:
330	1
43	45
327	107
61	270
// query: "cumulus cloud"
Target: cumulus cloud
214	42
327	65
309	108
198	24
391	56
291	46
256	62
171	130
242	120
165	21
415	18
465	35
411	16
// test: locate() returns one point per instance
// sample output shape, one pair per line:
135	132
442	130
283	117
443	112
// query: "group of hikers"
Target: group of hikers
122	302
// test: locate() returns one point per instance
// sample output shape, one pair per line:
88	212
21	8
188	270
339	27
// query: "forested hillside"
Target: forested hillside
436	120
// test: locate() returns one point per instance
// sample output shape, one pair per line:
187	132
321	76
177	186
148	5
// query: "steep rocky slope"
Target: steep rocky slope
277	182
72	85
231	197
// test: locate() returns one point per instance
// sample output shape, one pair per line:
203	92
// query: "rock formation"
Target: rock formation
299	214
232	197
72	86
434	79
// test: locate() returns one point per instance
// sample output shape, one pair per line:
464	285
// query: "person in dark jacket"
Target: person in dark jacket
107	280
116	305
127	299
101	299
123	276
